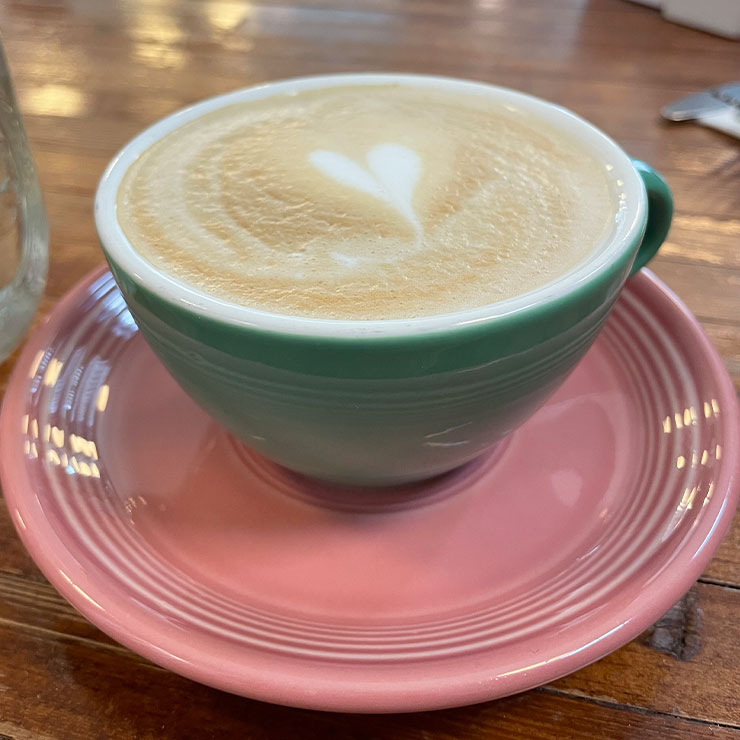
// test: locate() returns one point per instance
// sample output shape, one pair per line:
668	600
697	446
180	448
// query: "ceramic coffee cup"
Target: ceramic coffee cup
376	403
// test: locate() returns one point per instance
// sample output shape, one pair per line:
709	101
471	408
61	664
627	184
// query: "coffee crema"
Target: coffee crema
366	202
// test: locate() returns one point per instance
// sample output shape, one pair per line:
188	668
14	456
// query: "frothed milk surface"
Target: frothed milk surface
366	202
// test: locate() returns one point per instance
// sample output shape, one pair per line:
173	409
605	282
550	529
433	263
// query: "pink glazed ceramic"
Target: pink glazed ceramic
562	545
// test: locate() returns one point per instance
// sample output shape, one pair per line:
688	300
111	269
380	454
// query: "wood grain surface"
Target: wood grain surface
90	74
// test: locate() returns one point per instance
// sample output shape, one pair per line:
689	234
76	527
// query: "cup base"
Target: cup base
393	495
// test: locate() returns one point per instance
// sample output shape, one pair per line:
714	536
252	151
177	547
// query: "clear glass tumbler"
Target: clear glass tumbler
24	234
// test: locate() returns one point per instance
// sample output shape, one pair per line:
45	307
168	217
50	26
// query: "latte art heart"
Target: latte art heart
393	173
366	202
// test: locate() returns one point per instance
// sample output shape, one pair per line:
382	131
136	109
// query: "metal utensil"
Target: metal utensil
714	100
717	107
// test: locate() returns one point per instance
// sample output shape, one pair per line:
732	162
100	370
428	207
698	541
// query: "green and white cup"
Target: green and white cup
376	403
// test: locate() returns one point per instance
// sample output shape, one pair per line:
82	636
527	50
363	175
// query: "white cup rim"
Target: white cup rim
627	230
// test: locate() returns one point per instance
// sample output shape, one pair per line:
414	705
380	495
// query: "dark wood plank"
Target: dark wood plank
725	567
699	682
664	673
66	688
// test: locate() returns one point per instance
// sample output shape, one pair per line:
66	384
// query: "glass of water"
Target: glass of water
24	234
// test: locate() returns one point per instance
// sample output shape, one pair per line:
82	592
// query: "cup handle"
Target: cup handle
660	211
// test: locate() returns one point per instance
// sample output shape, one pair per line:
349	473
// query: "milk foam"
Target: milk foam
394	170
365	202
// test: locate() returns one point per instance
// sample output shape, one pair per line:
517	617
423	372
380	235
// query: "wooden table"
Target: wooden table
90	74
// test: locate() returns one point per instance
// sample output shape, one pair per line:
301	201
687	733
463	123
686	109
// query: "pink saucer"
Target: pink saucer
561	545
